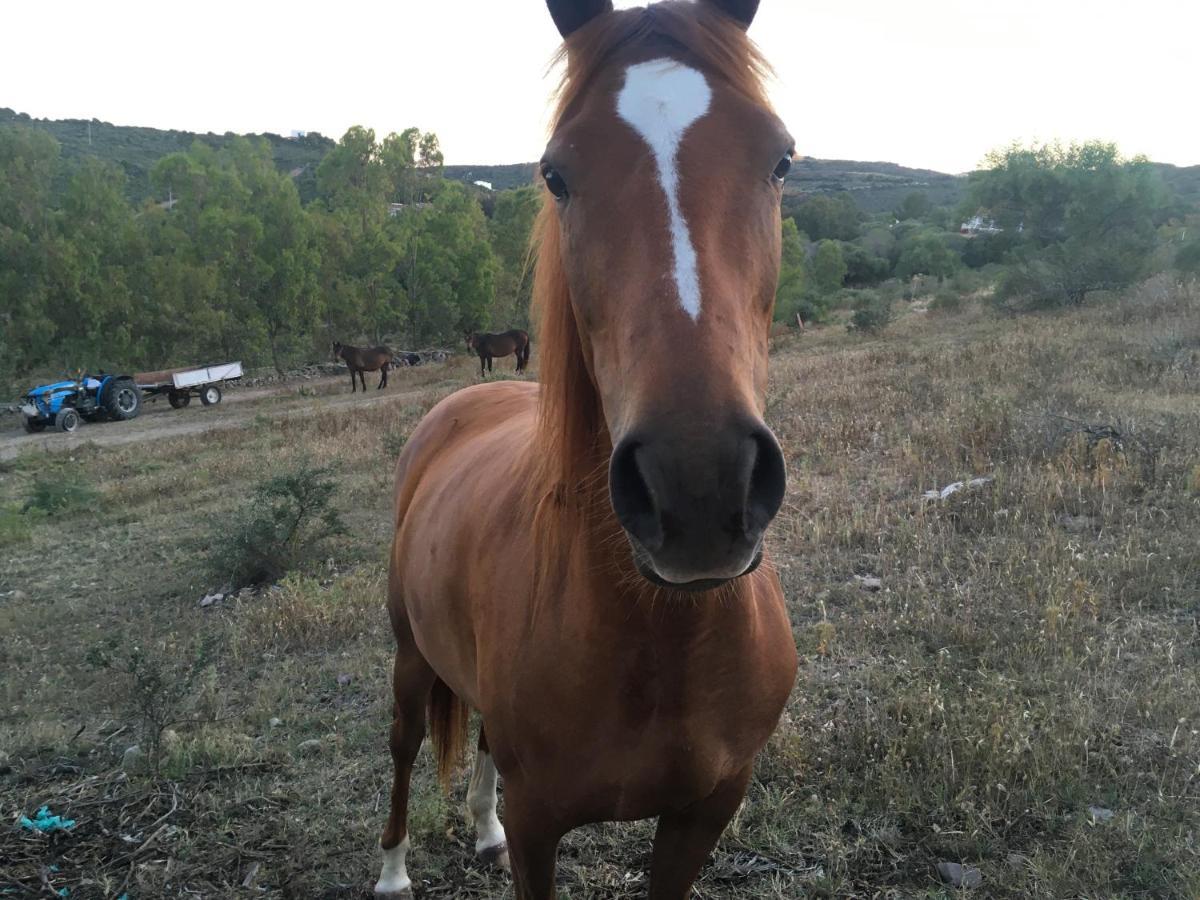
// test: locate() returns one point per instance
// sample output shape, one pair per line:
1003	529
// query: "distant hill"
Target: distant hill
137	149
501	178
876	186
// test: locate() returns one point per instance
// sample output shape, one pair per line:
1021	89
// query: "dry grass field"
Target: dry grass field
1006	678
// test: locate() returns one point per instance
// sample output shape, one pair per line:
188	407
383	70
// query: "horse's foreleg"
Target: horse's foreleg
481	803
362	377
353	383
533	836
412	680
482	363
382	378
685	839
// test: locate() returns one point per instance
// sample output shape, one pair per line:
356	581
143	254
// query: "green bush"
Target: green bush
156	683
15	526
394	441
872	314
1187	260
280	529
60	492
947	300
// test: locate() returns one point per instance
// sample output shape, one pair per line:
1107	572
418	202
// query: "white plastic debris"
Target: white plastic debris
957	486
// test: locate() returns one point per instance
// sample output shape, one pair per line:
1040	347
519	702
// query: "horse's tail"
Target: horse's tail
448	720
525	351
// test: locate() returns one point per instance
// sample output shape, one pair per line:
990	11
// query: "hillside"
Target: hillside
875	186
136	149
501	178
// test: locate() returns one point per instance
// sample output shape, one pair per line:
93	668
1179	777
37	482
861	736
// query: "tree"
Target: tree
914	206
239	217
824	217
1187	259
864	268
446	266
926	254
410	159
29	161
792	294
828	268
509	231
1087	218
352	177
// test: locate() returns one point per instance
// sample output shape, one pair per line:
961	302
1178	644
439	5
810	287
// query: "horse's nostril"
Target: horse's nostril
768	481
632	497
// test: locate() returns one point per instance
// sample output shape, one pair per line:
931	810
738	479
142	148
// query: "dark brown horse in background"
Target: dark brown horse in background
579	559
361	359
489	346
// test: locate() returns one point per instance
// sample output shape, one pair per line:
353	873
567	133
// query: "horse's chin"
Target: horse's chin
645	567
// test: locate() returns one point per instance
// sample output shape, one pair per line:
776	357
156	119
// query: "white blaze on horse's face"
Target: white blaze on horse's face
660	100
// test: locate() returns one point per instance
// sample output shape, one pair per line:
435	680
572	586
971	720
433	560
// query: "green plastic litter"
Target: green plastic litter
45	823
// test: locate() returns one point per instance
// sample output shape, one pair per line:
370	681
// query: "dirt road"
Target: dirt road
238	408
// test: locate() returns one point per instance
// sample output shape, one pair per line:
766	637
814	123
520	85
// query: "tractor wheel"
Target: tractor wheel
123	400
179	399
67	420
34	426
210	395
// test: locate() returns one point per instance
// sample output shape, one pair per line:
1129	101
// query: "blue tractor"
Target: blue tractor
91	397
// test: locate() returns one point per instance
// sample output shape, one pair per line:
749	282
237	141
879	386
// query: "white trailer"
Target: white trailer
180	385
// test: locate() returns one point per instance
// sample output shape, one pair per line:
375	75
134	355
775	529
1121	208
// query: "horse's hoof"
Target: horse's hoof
496	855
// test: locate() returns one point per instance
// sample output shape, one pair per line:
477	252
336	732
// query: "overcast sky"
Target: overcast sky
930	83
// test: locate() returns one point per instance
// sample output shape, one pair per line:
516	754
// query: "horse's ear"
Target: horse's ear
741	11
571	15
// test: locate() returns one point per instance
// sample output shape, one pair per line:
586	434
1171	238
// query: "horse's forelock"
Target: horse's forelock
718	44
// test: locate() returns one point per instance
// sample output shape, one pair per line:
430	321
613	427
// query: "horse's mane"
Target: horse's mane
571	444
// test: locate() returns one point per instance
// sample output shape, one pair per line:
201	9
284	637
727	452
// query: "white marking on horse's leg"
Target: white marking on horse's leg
393	878
660	100
481	801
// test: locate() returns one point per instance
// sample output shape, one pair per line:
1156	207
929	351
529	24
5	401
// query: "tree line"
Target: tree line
1040	226
227	262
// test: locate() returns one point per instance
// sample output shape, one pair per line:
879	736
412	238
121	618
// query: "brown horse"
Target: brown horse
489	346
361	359
626	651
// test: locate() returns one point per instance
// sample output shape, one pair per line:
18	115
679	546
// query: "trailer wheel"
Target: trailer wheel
123	400
34	426
67	420
179	399
210	395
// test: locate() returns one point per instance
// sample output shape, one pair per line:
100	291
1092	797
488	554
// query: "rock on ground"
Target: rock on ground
959	876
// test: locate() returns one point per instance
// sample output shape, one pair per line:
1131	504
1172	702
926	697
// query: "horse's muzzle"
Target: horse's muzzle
695	509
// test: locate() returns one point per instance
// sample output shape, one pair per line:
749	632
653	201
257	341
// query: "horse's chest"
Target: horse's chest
642	737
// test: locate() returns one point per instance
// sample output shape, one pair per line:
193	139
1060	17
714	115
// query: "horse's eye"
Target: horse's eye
785	166
554	182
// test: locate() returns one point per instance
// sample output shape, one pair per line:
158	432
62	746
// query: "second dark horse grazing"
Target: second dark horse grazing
361	359
489	346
